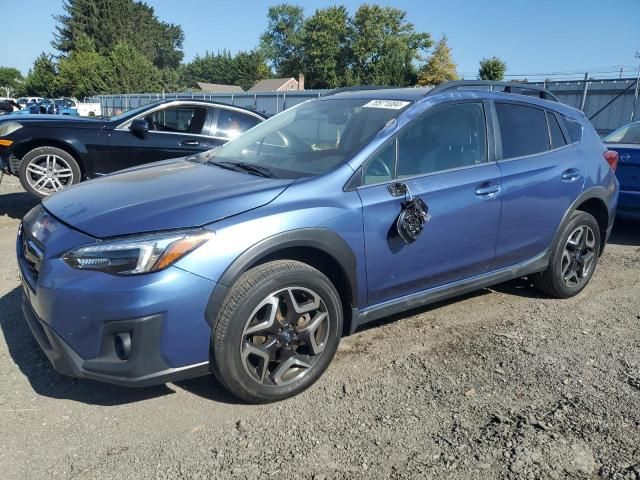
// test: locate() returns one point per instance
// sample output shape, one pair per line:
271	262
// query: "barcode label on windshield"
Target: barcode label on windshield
392	104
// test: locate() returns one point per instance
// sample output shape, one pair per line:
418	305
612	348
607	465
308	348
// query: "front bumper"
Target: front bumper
75	315
144	367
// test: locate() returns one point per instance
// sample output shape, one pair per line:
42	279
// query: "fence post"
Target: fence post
635	97
284	102
584	91
232	99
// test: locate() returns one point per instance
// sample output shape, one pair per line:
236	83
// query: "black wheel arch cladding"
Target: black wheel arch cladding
296	242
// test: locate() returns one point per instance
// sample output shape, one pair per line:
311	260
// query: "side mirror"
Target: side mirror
140	127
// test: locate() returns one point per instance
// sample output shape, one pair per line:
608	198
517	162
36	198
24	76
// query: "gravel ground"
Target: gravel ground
503	383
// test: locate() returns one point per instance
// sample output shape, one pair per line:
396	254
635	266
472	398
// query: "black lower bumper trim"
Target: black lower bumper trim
143	368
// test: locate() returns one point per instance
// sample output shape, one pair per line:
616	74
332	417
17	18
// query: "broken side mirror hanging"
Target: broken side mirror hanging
413	214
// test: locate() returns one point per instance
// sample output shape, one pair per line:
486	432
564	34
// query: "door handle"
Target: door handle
571	175
624	157
488	190
190	143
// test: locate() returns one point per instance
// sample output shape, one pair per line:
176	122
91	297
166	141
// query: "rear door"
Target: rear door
229	123
174	131
542	174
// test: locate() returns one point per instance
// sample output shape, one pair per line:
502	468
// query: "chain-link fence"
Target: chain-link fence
609	104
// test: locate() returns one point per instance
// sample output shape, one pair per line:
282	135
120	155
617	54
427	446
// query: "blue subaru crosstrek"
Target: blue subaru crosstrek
253	259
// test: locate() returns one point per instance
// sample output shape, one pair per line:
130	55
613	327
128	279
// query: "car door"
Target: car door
174	131
443	158
542	174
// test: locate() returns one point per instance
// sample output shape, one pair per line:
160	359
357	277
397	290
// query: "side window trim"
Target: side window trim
489	158
567	140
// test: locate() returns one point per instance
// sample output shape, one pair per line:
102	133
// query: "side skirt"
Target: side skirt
443	292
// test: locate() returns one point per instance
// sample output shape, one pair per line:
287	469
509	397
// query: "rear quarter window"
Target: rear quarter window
574	129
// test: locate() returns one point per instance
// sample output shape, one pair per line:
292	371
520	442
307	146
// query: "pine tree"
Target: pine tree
440	67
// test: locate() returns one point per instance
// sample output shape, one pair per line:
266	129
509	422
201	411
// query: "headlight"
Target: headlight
9	127
137	254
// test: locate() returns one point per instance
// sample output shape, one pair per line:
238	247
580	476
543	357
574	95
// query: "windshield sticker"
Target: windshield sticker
392	104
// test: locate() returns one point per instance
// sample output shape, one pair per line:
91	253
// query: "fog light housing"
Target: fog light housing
122	345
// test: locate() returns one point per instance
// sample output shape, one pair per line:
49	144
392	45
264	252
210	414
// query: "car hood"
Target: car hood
161	196
55	121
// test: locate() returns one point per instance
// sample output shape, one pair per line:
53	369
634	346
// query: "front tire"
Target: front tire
276	332
573	259
47	170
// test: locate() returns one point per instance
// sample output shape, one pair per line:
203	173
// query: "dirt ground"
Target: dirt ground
503	383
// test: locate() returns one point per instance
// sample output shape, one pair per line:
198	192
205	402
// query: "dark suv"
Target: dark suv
253	259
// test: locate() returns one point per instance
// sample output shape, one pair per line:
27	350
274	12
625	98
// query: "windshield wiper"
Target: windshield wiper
245	167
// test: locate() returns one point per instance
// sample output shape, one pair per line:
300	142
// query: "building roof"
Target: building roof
271	84
219	88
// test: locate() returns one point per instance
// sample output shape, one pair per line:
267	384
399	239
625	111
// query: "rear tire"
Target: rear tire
276	332
573	259
47	170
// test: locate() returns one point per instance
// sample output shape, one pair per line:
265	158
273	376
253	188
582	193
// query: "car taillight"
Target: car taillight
611	157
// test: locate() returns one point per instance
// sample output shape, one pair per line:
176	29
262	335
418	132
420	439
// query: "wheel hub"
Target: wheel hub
285	336
578	256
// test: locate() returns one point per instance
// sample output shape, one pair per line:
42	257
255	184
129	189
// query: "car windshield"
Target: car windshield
627	134
309	139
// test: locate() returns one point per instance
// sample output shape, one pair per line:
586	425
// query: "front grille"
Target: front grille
32	254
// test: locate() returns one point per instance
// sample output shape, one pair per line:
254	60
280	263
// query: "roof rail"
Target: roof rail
508	87
356	89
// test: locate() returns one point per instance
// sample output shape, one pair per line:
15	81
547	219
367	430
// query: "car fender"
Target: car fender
322	239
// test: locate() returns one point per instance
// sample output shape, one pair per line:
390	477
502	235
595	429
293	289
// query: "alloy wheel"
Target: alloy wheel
285	336
578	256
48	174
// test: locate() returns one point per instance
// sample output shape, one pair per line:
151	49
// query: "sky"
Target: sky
553	38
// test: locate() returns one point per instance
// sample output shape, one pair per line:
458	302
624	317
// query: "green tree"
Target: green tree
440	67
492	69
282	42
248	68
109	22
42	78
385	46
10	80
327	49
84	72
132	71
212	68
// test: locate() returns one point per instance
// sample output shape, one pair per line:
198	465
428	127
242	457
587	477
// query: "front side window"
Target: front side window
232	124
627	134
451	137
523	130
181	119
311	138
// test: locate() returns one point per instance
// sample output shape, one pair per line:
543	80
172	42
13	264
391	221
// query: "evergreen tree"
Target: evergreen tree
132	71
440	67
10	80
84	72
109	22
42	78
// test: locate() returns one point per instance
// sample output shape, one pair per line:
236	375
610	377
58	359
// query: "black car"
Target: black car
49	153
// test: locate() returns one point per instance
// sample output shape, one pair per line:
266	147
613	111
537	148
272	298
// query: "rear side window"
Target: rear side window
523	130
232	123
574	129
555	132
